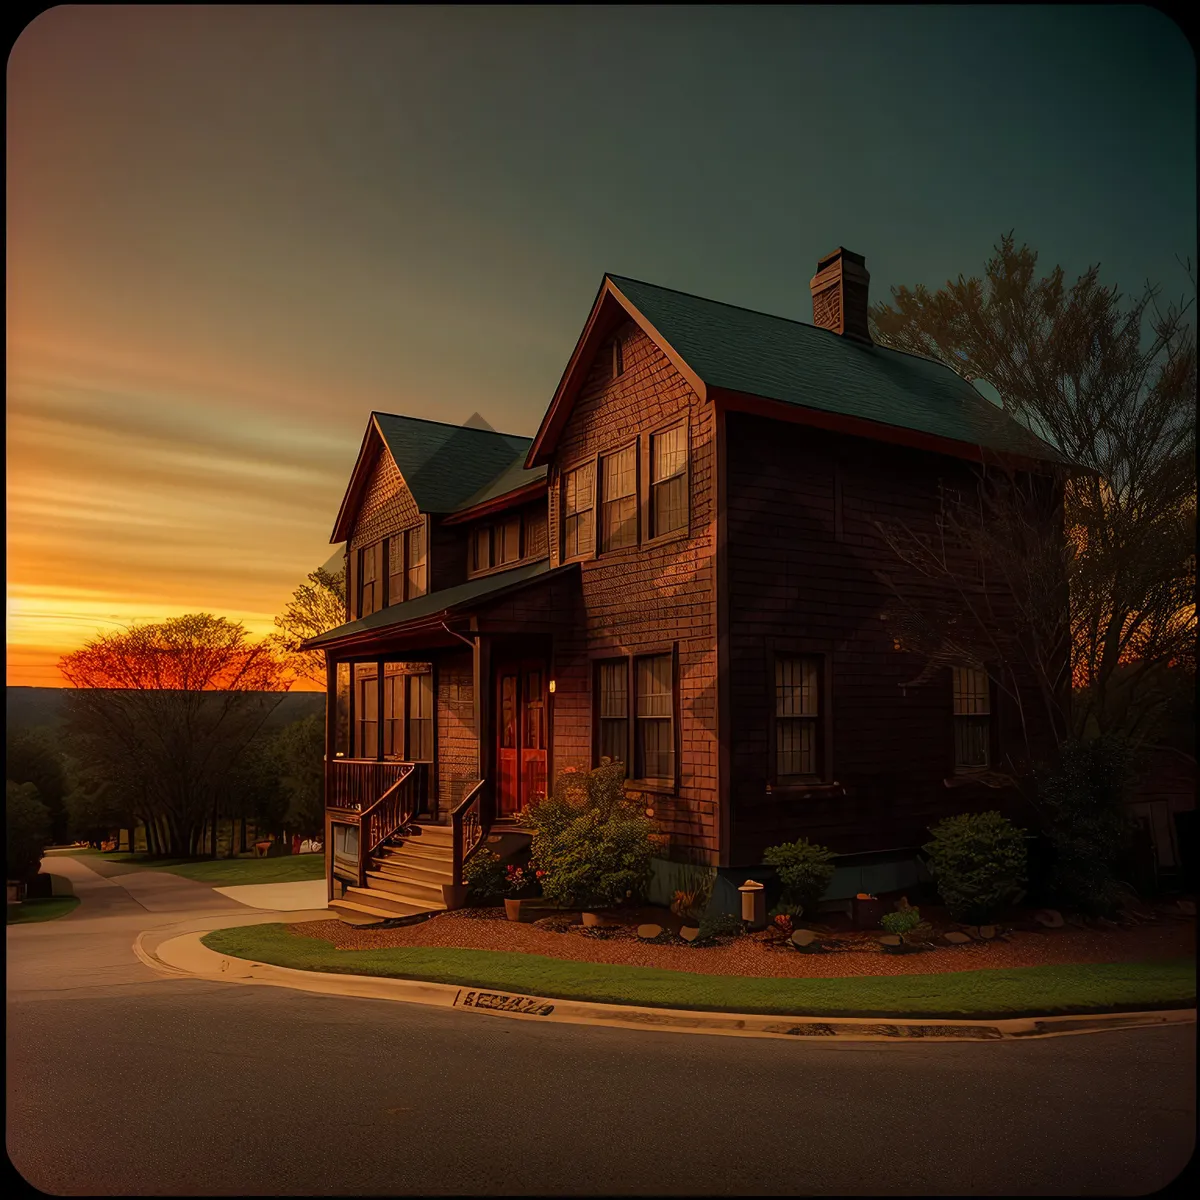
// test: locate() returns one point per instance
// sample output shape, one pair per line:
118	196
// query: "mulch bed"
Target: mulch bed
845	952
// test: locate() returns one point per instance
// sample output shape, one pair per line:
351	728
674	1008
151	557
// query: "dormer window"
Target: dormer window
618	358
511	539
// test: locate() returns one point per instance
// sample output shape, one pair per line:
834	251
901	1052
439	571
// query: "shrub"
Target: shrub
901	922
592	845
1082	804
720	925
978	861
792	911
518	879
485	877
804	869
26	830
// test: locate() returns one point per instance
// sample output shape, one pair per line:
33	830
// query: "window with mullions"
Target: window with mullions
972	718
797	716
366	710
612	709
420	718
370	575
618	499
654	719
668	481
578	511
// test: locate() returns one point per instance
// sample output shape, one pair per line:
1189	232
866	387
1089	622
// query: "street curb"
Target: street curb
186	955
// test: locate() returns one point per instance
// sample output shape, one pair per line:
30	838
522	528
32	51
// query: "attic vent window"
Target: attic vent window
618	358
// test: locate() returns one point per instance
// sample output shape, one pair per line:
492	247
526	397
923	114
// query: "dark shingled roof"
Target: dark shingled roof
435	603
515	476
779	359
446	465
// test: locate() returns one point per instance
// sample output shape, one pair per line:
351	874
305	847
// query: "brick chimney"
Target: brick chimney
839	292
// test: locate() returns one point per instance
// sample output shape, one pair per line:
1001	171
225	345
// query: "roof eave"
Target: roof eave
358	480
520	495
797	414
598	326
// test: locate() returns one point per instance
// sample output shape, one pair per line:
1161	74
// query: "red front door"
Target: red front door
521	733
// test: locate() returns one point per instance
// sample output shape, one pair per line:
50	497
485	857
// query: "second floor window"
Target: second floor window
972	718
508	541
417	575
618	499
481	549
797	716
668	481
370	575
578	511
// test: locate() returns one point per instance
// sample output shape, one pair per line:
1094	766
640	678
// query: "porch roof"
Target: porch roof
432	608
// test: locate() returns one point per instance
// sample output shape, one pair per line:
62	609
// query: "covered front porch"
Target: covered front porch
440	723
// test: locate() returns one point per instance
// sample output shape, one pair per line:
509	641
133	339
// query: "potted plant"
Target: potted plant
519	882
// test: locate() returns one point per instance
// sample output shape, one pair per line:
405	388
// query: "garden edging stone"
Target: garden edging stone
186	955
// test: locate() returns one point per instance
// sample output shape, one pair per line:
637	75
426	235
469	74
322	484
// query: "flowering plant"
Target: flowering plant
519	879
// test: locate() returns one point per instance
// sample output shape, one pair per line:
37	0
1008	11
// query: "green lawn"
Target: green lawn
221	872
45	909
1024	991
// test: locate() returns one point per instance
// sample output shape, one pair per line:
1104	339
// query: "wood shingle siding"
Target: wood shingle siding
645	598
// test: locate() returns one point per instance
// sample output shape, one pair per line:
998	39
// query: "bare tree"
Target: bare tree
1112	385
164	712
316	606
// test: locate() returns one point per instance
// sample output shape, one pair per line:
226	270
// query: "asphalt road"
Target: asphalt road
122	1082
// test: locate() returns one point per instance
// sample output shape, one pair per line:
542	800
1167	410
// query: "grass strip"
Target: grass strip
47	908
994	994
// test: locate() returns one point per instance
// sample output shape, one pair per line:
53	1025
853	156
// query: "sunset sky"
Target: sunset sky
232	232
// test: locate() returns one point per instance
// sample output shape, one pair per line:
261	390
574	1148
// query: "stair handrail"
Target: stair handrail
469	826
398	816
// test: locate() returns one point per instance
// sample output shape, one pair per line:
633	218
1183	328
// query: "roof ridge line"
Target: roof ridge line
758	312
378	412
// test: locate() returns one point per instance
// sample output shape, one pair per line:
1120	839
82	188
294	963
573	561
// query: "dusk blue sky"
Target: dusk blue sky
232	232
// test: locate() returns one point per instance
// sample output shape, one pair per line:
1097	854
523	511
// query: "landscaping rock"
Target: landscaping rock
892	943
648	932
1050	917
972	931
987	932
804	939
955	938
689	933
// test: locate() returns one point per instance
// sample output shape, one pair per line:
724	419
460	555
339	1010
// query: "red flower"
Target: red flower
539	873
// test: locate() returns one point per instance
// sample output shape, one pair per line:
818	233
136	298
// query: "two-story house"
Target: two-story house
678	571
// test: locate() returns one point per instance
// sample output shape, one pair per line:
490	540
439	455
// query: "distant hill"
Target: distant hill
26	707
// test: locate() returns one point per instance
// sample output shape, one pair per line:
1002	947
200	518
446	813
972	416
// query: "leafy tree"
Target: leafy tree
1082	799
298	755
317	606
1113	386
163	713
26	830
32	756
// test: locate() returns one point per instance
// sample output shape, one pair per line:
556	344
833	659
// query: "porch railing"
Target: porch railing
357	782
470	821
372	823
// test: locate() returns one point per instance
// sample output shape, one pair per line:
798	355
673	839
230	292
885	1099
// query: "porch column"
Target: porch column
330	706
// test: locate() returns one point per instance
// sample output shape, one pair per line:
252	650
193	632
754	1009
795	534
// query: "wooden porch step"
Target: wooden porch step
389	904
419	856
436	872
357	914
441	835
405	888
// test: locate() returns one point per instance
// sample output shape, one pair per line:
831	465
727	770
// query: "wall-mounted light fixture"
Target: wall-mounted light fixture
552	687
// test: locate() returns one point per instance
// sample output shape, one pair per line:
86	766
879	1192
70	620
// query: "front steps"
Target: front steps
404	878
